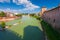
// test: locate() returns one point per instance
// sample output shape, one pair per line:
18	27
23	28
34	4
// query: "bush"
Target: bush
51	33
3	24
10	25
37	17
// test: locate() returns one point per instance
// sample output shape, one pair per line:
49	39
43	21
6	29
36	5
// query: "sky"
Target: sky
27	6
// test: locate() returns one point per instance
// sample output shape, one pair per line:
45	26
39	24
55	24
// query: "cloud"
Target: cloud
17	11
27	4
11	10
6	10
4	0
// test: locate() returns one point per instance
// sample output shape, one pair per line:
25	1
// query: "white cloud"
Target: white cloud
4	0
27	4
6	10
17	11
11	10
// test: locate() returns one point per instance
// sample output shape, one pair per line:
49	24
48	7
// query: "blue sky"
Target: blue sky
27	6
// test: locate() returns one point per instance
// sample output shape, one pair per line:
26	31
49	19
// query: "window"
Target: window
49	18
54	20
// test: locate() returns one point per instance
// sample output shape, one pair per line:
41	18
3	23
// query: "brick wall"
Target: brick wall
52	17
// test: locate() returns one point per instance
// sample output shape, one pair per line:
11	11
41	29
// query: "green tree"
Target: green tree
19	15
2	14
32	14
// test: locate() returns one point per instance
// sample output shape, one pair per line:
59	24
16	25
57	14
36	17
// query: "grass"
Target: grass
50	32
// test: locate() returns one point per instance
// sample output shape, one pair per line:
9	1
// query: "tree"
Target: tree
2	14
19	15
32	14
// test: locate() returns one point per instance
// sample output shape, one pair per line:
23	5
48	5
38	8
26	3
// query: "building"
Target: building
9	14
51	16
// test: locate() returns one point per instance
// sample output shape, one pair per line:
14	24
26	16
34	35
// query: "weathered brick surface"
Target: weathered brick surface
52	17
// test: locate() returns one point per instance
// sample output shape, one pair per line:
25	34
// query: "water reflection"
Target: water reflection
33	33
